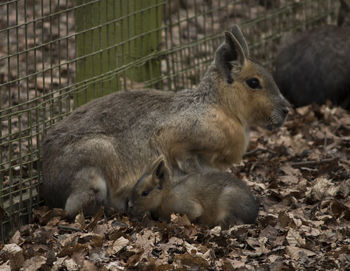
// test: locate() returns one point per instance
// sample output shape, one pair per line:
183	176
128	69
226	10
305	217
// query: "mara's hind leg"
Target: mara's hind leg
89	192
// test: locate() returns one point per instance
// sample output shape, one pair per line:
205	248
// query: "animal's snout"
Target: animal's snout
285	111
285	106
131	208
279	114
134	210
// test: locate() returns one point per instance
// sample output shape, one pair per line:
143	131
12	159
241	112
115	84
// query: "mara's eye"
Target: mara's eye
145	193
254	83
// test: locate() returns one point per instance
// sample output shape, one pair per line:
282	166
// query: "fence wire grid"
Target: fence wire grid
58	54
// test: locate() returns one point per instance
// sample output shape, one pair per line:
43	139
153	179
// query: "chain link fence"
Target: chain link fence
58	54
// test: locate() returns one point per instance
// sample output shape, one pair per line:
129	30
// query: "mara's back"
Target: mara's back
111	115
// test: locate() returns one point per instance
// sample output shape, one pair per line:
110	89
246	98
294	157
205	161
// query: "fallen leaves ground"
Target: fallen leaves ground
301	176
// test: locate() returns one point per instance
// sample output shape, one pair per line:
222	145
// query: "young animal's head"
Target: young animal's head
246	89
148	192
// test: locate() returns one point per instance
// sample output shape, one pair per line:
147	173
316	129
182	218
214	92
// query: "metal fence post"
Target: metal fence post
111	34
143	30
95	47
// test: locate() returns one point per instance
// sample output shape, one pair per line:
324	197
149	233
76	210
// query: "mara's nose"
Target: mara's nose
286	106
285	110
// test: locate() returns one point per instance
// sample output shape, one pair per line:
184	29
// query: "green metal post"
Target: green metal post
136	20
94	36
143	28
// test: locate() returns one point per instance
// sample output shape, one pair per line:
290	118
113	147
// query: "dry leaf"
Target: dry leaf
294	238
296	252
118	245
34	263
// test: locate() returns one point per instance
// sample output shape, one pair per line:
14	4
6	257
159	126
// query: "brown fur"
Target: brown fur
210	197
115	137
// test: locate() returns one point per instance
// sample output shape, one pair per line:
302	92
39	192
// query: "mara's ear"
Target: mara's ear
234	49
161	171
237	33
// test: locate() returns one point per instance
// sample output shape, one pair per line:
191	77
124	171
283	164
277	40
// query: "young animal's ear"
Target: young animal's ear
161	172
233	51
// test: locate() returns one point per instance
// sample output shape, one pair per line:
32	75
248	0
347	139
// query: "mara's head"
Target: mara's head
147	194
246	89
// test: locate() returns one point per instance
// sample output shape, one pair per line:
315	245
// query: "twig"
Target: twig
68	228
250	153
313	163
325	142
95	219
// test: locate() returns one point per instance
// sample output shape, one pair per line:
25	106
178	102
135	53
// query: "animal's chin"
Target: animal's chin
137	213
154	215
271	126
133	210
276	123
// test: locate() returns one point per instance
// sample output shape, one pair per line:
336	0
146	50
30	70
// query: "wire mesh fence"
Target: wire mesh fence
58	54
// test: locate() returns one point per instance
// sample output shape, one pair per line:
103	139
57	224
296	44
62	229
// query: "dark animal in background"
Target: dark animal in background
208	197
315	67
95	156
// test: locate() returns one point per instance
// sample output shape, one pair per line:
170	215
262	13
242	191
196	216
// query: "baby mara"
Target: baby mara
95	156
209	198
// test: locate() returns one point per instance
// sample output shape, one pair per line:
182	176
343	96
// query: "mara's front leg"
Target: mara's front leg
215	141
